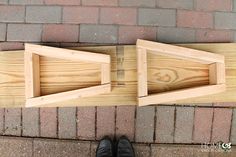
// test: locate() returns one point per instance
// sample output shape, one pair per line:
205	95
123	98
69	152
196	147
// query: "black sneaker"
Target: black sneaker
124	148
105	148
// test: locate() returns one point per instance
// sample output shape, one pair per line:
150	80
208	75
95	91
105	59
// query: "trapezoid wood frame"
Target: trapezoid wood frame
32	74
216	72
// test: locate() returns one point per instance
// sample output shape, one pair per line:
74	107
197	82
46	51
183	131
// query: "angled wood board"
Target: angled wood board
123	76
32	74
216	72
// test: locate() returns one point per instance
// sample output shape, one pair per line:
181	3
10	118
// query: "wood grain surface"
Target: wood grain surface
164	74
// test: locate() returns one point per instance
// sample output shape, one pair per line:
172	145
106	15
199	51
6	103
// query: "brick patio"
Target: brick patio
36	147
161	124
81	22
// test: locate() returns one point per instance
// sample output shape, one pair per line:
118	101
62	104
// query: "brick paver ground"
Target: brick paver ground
159	124
35	147
67	23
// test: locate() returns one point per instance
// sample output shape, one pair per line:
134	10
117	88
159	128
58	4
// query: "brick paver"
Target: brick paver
67	122
105	122
184	124
125	121
61	148
122	16
142	150
151	17
43	14
129	34
24	2
86	122
12	147
175	35
165	117
100	2
144	127
3	32
221	125
214	5
12	13
200	152
140	3
20	32
11	46
29	147
48	122
13	124
3	1
78	15
30	122
98	33
213	36
1	121
62	2
225	20
171	150
60	33
234	5
93	149
180	4
179	151
202	125
233	128
198	19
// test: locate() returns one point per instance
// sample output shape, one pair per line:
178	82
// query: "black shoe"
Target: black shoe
105	148
124	148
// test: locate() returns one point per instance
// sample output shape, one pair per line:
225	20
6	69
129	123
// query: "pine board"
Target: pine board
164	73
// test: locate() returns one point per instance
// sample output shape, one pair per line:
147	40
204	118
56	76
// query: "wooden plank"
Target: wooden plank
166	74
217	73
142	72
32	75
67	54
59	97
181	94
180	52
61	75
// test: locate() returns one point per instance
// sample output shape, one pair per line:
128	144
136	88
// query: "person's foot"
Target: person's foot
105	148
124	148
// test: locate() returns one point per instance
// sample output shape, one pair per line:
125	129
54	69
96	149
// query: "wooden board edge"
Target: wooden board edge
180	94
68	54
217	73
180	52
31	74
142	72
63	96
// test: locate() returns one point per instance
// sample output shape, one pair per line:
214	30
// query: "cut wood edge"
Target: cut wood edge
217	73
173	96
63	96
180	52
67	54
